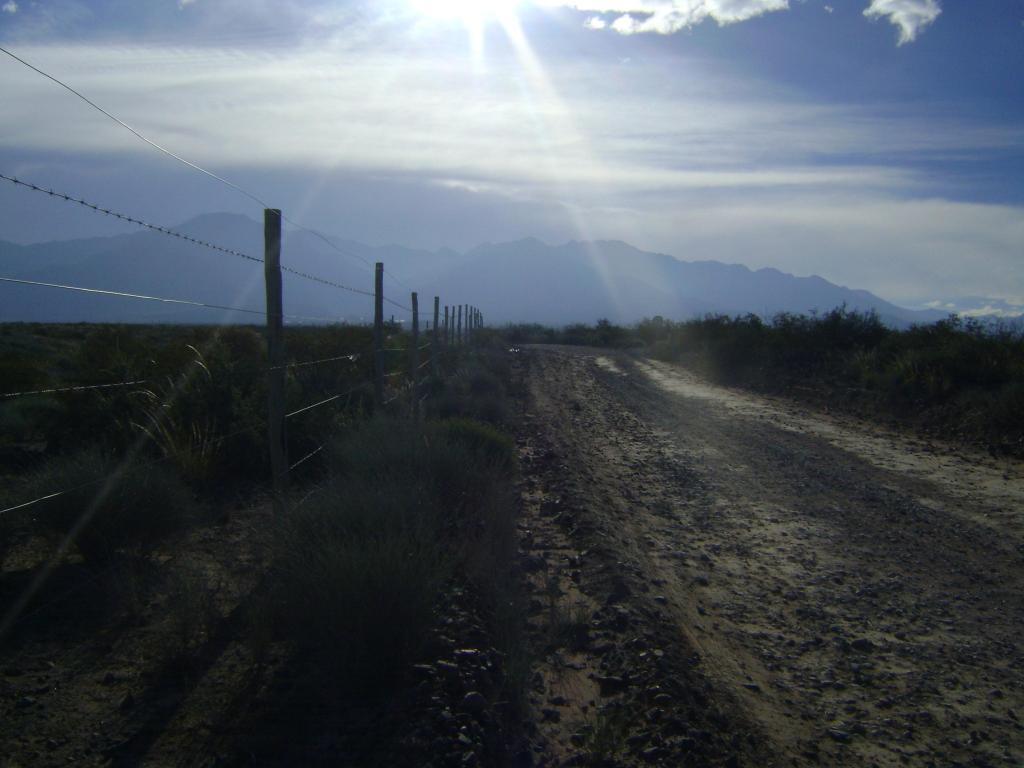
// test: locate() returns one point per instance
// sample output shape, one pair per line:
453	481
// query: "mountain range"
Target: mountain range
523	281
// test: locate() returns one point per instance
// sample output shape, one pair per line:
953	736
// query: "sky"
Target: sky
877	143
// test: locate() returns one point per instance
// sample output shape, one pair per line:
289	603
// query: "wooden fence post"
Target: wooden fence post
458	337
414	356
435	350
378	334
276	434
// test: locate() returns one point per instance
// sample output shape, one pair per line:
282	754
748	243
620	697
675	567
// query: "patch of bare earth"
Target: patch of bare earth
130	663
786	587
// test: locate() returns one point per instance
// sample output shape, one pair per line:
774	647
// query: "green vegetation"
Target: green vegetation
201	400
957	378
603	334
134	509
397	520
405	508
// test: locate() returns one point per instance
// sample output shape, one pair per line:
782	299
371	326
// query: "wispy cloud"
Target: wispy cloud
668	16
9	7
911	16
665	17
711	165
377	113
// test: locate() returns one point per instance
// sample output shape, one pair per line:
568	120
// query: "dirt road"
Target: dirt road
763	585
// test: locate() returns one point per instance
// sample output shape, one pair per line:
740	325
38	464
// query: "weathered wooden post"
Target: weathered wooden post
414	356
435	349
458	337
276	435
378	334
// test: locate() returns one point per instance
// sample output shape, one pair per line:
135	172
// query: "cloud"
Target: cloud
706	166
990	311
9	7
667	16
911	16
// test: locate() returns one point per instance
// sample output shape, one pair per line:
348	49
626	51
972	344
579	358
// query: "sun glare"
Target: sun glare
468	11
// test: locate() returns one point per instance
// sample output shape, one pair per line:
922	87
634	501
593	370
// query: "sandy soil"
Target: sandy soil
837	593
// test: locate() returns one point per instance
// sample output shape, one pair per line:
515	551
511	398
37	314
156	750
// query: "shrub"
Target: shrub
191	610
133	508
361	563
482	439
357	582
477	391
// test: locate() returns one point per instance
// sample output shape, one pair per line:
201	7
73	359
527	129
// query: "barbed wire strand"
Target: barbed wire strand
162	300
394	303
323	402
303	460
327	240
82	388
136	468
184	161
353	357
130	219
134	132
172	233
344	251
80	487
315	279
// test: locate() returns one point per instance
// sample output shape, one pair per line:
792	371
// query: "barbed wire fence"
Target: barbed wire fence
277	414
386	378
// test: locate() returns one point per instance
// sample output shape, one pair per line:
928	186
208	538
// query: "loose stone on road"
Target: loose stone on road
838	593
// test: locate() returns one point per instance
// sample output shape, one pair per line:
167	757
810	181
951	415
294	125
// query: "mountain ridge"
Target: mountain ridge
525	280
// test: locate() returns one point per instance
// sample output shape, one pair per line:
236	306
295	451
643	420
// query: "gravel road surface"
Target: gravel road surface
761	584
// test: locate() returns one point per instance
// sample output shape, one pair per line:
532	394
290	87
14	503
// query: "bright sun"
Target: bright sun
467	10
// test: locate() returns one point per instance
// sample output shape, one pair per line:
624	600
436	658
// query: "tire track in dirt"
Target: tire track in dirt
852	614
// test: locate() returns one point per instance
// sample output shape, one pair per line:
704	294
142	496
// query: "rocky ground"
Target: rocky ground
709	578
755	584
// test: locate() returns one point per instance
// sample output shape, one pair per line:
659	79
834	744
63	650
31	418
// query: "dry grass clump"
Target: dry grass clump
361	563
131	510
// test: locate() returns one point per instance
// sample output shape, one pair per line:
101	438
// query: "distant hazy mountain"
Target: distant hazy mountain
521	281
